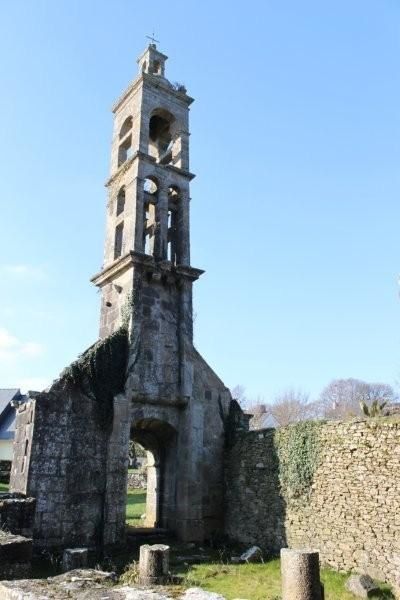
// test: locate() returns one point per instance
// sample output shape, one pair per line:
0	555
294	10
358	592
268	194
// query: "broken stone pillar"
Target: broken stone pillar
153	564
300	575
74	558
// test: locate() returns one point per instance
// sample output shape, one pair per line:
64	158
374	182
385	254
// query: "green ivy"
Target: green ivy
298	451
100	372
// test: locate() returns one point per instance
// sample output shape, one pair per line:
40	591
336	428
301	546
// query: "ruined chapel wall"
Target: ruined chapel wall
350	512
22	446
66	473
214	398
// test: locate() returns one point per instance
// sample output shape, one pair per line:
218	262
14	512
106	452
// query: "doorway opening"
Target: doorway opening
151	474
137	485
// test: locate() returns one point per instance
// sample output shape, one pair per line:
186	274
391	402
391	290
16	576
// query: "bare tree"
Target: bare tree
292	406
342	398
379	392
239	394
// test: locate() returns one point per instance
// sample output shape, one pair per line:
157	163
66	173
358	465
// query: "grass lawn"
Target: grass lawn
135	507
261	581
3	487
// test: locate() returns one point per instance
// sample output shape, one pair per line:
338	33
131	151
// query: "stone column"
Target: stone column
153	485
161	241
300	575
153	564
183	229
138	216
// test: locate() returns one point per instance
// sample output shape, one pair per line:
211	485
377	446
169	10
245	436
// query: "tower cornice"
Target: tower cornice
150	159
157	82
147	263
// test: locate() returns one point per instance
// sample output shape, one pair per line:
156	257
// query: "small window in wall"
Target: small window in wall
121	201
118	243
125	151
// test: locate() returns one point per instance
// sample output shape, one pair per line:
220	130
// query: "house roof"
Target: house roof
7	412
6	395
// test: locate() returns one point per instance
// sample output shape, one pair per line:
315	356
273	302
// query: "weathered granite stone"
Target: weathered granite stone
300	575
74	558
15	556
199	594
17	513
88	584
153	564
253	554
362	586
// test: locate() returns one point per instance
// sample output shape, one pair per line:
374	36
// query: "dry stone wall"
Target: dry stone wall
334	487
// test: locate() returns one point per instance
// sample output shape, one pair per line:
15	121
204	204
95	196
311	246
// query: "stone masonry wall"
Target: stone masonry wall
351	509
60	460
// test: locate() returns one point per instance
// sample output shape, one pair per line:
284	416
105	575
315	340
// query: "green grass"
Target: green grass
3	487
262	581
135	507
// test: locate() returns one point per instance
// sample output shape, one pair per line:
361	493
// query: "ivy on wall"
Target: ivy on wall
100	372
298	450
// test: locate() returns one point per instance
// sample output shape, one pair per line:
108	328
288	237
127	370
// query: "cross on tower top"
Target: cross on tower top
152	38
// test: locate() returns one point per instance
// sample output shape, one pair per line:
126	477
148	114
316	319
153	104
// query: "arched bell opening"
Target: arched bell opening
150	189
162	136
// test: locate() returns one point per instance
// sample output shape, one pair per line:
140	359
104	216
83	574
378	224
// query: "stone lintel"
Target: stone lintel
177	402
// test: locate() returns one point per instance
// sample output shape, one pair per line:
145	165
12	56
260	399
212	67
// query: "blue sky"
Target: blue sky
295	207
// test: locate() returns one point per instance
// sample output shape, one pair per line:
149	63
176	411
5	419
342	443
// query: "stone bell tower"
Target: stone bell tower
147	249
177	405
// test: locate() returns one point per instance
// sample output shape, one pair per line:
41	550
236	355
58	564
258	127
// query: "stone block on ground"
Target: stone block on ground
252	555
362	586
199	594
74	558
15	556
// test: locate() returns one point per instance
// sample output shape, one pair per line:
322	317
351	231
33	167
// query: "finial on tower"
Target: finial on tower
152	39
